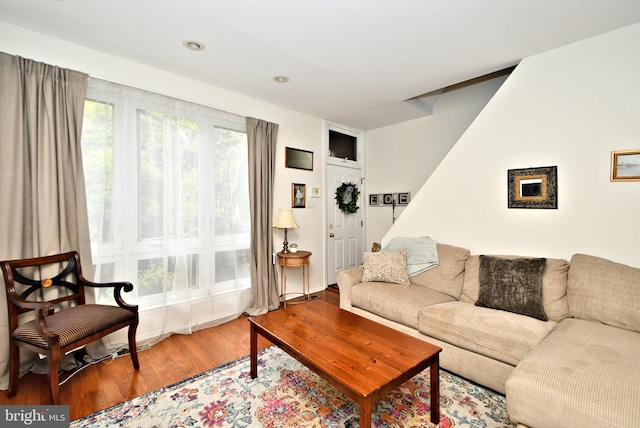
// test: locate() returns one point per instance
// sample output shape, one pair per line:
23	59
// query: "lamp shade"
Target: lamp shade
285	220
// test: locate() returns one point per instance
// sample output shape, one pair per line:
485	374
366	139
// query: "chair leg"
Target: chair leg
14	369
133	350
53	366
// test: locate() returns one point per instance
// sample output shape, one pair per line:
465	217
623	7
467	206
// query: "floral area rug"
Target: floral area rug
287	394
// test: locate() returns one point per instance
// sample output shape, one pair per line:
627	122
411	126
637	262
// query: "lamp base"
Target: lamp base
285	244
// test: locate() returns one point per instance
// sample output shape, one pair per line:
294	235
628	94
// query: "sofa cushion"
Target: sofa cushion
395	302
500	335
513	285
587	372
554	285
604	291
386	267
447	277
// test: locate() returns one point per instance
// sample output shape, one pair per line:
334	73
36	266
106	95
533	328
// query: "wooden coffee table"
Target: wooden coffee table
362	358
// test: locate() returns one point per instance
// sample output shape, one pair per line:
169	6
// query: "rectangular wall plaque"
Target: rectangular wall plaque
533	187
296	158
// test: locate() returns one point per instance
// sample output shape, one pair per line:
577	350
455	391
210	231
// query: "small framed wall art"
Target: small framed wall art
298	195
533	187
625	165
387	199
404	198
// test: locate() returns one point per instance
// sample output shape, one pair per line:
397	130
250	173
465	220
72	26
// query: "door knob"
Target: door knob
331	235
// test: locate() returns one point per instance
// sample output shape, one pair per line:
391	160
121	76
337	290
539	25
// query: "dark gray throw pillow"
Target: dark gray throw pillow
513	285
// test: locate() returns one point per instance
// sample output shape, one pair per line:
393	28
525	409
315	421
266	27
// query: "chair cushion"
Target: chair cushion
73	324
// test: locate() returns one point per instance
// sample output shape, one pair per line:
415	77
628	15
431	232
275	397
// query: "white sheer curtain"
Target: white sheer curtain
168	198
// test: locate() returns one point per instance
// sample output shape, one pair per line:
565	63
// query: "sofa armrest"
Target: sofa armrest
347	279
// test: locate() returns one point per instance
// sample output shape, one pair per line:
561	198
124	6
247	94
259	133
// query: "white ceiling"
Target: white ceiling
350	61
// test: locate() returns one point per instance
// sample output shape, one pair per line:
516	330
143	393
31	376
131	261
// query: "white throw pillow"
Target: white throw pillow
386	267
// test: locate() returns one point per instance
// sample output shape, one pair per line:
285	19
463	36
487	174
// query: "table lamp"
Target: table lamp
285	221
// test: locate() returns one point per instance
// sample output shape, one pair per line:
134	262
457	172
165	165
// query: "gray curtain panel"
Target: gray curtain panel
43	202
262	137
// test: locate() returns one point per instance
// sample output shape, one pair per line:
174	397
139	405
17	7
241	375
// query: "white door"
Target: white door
345	231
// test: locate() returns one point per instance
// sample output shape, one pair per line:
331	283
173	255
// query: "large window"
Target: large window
168	195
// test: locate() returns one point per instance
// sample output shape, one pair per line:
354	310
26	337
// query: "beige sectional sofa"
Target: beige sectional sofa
578	368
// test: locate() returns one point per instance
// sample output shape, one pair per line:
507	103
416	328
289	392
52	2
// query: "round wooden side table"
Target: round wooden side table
299	258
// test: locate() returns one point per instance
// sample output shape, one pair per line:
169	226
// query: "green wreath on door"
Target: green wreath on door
347	198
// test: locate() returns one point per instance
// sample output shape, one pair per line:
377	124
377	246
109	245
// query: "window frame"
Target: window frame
127	248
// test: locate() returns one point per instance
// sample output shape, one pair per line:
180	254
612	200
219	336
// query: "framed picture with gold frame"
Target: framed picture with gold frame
625	165
533	187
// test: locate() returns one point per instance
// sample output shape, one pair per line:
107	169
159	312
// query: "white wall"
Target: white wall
296	129
568	107
401	157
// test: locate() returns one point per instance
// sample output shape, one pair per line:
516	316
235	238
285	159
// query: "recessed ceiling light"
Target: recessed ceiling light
193	45
281	79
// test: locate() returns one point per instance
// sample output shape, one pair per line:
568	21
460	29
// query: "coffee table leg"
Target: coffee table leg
253	354
435	390
365	413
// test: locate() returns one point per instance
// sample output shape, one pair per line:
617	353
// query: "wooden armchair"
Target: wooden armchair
54	287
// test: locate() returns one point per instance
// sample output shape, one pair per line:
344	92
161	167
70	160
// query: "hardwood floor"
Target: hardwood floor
105	384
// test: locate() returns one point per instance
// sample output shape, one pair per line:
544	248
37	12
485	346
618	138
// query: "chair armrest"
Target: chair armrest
46	308
347	279
43	309
117	290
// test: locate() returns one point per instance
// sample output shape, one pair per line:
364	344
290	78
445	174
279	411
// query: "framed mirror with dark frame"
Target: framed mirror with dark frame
299	159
